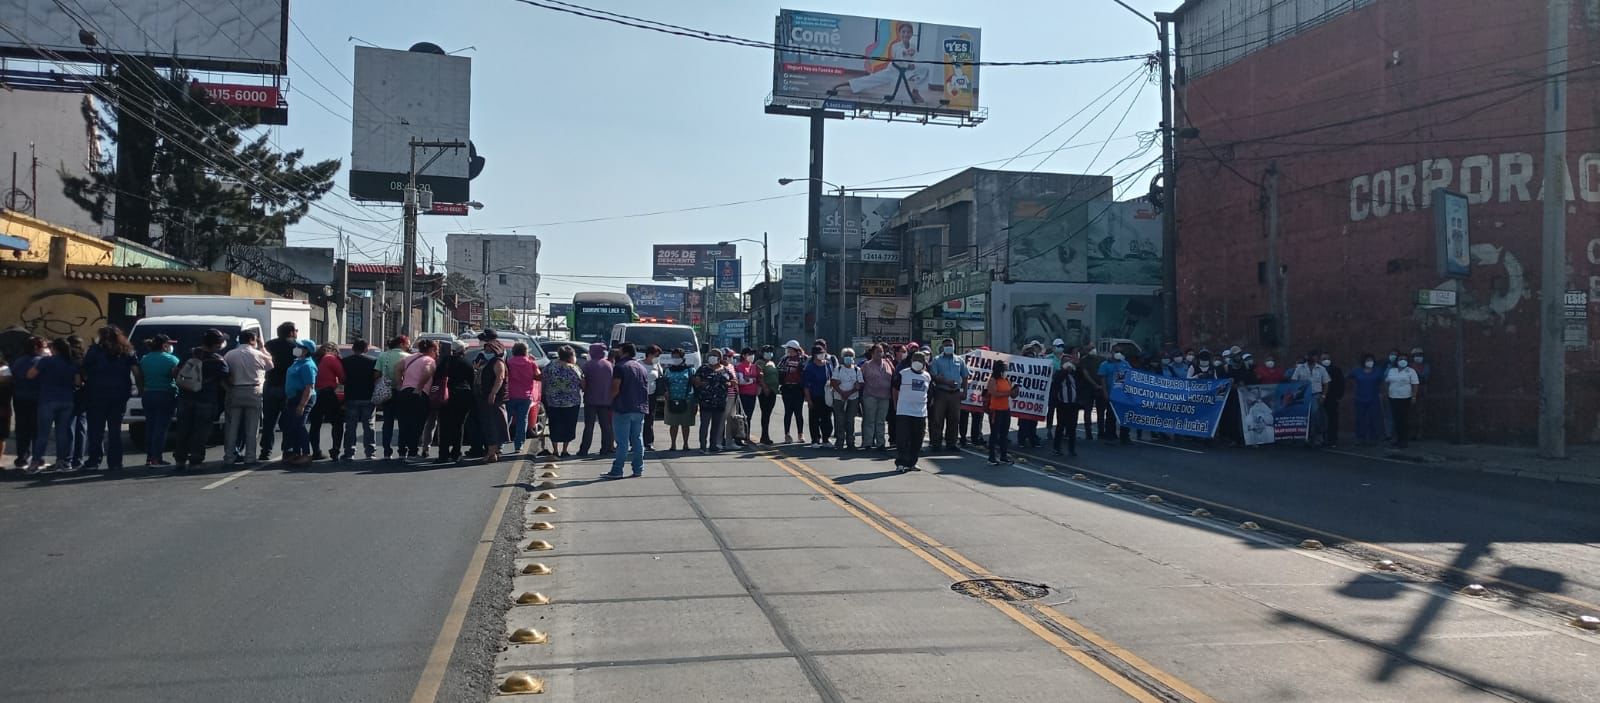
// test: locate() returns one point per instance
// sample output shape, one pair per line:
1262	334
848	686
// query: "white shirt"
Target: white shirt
849	377
913	387
1317	375
247	366
652	376
1400	381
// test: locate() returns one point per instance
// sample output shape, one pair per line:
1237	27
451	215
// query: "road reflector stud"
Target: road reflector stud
1200	512
1586	622
545	496
1114	487
1386	565
1310	544
541	526
1022	460
540	545
536	570
549	465
1248	525
544	509
1475	590
532	598
1079	477
528	635
549	474
521	683
1048	468
1152	498
546	485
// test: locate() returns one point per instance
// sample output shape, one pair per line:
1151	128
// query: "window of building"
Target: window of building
503	279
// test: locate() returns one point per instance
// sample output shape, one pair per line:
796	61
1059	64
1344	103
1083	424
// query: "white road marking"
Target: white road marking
220	481
1169	446
1374	458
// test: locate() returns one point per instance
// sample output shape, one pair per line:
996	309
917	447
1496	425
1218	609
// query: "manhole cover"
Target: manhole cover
1000	589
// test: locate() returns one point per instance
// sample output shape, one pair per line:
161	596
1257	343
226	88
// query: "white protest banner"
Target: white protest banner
1030	376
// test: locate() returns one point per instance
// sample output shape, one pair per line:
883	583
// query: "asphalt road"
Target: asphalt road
329	584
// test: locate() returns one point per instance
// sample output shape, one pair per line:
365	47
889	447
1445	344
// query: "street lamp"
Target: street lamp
766	272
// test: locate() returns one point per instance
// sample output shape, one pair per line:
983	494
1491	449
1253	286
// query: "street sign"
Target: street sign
1575	315
1435	298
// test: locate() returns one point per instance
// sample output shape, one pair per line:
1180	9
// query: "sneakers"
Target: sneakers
788	438
993	461
264	456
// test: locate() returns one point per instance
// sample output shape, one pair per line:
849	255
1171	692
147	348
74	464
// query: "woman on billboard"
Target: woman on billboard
894	66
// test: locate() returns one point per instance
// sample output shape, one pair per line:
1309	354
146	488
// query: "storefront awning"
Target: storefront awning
9	243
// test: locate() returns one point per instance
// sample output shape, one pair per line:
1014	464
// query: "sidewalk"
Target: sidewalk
1581	466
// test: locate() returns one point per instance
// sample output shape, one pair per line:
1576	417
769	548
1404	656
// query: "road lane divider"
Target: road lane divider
1134	676
226	479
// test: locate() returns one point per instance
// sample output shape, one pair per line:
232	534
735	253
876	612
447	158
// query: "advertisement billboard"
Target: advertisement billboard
560	309
885	319
1125	245
727	275
845	62
657	301
405	95
792	302
238	36
676	262
862	220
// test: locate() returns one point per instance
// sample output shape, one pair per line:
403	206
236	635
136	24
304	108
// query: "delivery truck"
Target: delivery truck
184	318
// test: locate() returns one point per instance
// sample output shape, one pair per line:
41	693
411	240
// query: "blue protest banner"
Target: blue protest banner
1275	412
1189	407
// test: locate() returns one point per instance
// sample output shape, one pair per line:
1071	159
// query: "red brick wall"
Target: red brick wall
1353	274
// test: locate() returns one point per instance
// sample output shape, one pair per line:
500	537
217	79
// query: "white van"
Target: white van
668	337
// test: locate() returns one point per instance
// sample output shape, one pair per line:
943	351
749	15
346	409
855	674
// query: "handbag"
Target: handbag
438	395
382	391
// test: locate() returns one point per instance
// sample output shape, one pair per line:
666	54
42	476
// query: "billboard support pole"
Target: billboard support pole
844	275
409	266
1553	272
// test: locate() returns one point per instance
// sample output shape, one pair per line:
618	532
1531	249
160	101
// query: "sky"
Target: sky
581	119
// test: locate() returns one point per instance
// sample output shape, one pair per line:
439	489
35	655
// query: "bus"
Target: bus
593	315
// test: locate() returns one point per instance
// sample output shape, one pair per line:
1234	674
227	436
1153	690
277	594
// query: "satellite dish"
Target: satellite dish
423	47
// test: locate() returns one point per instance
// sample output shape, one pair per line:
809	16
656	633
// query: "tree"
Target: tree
183	165
461	286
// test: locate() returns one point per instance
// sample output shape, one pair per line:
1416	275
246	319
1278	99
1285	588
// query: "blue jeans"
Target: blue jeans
105	430
629	429
296	434
518	410
358	413
56	415
159	407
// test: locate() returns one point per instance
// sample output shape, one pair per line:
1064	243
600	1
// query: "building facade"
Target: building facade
504	266
1306	203
45	134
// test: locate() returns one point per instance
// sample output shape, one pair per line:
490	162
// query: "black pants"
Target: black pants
271	408
1330	410
412	407
711	421
452	422
1066	419
909	430
650	422
767	400
794	403
27	414
1000	435
1400	408
821	419
1028	433
327	411
593	415
975	432
195	418
1107	421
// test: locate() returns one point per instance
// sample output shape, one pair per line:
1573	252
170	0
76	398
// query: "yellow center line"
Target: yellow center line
858	506
445	644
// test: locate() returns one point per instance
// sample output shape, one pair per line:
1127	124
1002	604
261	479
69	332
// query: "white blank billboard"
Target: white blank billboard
246	36
406	95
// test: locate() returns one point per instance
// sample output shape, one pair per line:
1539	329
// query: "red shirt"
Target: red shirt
1266	375
330	371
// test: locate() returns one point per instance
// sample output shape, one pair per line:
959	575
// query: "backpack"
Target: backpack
191	376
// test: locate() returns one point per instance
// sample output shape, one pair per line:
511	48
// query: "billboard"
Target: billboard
1125	245
844	62
862	220
727	275
560	309
657	301
885	319
238	36
673	262
792	302
405	95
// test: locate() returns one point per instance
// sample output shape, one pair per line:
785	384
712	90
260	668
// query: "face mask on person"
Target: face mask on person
713	358
1272	364
1117	356
1205	364
916	366
1402	363
849	360
1417	358
1392	357
489	356
947	351
819	358
766	355
1326	362
298	352
675	361
1369	363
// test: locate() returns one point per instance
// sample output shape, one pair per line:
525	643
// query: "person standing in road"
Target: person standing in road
200	380
1028	430
411	396
563	399
846	384
25	398
57	376
630	403
330	375
748	376
817	373
1333	393
491	396
1401	384
1422	367
1310	370
770	383
997	399
911	387
1388	414
1070	391
159	393
242	403
791	384
108	369
1270	372
300	401
1109	371
272	398
597	400
711	382
360	375
521	374
456	378
1368	379
654	388
397	351
950	374
877	395
680	398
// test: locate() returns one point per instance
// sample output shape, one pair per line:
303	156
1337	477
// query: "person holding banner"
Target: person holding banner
911	386
1028	430
1070	391
950	374
997	400
1108	374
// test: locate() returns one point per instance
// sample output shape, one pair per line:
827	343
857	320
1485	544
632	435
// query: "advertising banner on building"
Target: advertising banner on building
1452	239
863	219
845	62
676	262
1030	375
406	95
237	36
727	275
560	309
792	302
657	301
1275	412
885	319
1125	245
1181	406
878	286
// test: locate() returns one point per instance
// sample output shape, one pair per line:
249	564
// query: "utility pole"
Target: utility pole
1169	186
843	340
1274	268
766	277
1553	269
409	266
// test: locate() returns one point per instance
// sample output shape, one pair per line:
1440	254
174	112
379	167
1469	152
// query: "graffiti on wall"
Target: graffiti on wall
59	312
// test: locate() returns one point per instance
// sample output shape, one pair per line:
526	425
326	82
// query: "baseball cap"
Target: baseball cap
791	344
1059	342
